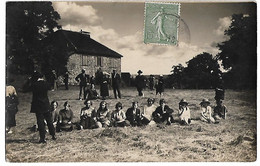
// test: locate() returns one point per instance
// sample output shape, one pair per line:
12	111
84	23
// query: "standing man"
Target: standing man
82	79
41	107
151	82
116	82
66	80
54	80
140	83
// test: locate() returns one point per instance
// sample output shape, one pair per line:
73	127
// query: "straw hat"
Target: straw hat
183	101
205	101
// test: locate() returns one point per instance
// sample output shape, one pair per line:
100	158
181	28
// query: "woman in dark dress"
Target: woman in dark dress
91	94
104	91
65	118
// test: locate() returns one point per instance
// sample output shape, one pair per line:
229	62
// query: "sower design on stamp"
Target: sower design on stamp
161	23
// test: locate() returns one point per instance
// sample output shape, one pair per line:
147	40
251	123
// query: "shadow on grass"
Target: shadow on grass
9	141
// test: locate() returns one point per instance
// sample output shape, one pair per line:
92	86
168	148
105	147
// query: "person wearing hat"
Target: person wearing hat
163	113
41	106
88	116
160	86
133	115
206	111
184	112
116	82
65	118
118	117
140	83
220	111
82	78
148	111
104	89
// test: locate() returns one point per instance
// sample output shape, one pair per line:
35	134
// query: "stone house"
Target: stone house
84	53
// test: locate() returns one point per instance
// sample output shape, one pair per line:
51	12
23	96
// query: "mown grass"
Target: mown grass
233	139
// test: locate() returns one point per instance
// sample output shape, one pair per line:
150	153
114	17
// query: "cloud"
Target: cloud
74	14
224	23
151	58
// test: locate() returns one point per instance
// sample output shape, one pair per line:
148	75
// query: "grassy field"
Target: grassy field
233	139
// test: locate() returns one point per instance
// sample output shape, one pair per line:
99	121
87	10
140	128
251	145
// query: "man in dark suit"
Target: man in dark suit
133	115
116	82
82	78
41	107
140	83
163	113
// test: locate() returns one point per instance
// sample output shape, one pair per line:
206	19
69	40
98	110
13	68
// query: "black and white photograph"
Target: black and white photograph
121	81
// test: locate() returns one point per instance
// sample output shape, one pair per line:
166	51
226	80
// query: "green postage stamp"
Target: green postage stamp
161	23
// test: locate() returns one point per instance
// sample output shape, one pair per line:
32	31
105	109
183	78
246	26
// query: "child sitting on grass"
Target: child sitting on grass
184	112
206	113
220	111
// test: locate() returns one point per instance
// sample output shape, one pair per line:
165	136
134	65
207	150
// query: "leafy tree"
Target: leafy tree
176	77
238	53
202	71
27	23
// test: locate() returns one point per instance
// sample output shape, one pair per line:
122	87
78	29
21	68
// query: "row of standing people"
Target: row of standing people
140	83
83	80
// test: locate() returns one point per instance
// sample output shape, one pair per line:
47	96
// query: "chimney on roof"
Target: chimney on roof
85	33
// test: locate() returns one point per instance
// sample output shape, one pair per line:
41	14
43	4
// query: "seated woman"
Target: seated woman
91	94
163	113
65	118
148	111
118	117
133	115
184	112
220	111
88	116
103	115
55	112
206	113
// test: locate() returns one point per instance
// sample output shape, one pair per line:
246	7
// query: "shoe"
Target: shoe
168	123
43	141
10	132
54	137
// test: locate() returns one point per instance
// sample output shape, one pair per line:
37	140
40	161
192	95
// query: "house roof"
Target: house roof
81	43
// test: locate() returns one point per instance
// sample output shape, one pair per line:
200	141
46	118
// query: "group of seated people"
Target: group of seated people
91	118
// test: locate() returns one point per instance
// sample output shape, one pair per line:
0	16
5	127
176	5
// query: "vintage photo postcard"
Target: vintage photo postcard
121	81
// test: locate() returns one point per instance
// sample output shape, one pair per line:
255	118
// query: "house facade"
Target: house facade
84	53
91	63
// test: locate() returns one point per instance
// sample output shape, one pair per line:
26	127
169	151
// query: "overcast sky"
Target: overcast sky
119	26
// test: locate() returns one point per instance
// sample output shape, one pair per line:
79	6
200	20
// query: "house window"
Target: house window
99	61
84	60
